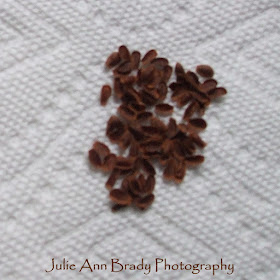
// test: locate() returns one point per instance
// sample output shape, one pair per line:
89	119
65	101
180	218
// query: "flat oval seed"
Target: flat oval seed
198	123
205	71
164	109
113	60
135	60
149	56
120	197
105	94
94	158
124	53
193	161
144	202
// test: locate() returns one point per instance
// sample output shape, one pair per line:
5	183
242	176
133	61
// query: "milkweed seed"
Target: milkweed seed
120	197
164	109
147	167
198	124
105	94
141	86
149	185
149	56
112	179
101	149
208	85
124	68
109	162
124	53
190	110
113	60
160	62
115	129
179	70
217	92
205	71
167	72
194	160
135	60
94	158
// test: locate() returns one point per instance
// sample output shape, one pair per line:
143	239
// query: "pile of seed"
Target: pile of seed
142	85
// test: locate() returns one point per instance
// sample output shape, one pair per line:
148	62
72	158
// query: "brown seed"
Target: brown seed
180	172
115	129
149	56
179	70
205	71
178	150
135	60
193	161
197	140
94	158
120	197
130	96
112	179
172	128
124	68
160	125
217	92
105	94
143	116
101	149
149	185
188	145
135	187
151	130
137	134
162	91
179	93
151	145
125	140
175	86
147	167
142	181
197	124
126	183
126	112
183	127
134	149
159	62
124	163
191	79
208	85
190	110
109	162
147	75
137	107
113	60
201	97
124	53
144	202
169	170
148	98
128	80
167	73
164	109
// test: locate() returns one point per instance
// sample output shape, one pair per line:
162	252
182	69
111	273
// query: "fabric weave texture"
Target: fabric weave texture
53	205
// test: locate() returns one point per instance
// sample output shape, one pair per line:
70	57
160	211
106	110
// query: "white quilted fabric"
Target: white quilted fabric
52	205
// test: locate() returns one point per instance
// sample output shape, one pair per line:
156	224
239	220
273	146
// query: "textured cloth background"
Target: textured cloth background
53	205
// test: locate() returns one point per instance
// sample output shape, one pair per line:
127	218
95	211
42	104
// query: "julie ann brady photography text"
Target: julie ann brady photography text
116	265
